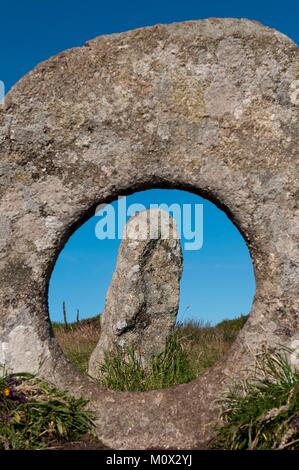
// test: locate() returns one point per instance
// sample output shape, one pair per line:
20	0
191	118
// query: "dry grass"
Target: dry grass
208	344
203	344
78	340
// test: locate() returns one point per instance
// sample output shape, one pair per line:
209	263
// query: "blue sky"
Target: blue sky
33	30
218	280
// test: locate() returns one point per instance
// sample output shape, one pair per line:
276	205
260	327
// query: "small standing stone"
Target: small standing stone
143	297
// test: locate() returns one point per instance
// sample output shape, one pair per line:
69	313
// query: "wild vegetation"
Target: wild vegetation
35	415
78	340
262	413
192	348
170	367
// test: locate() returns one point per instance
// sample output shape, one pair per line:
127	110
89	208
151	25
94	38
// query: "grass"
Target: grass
259	414
35	415
78	340
190	350
206	344
171	367
263	413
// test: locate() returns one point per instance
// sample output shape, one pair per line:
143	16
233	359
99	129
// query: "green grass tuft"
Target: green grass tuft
264	412
171	367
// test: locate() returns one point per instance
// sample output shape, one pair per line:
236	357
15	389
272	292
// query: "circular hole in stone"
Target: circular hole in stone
159	329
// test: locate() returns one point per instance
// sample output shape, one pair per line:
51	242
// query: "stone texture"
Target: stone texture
210	106
143	298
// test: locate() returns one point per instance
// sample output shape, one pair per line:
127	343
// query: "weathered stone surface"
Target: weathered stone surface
210	106
143	298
